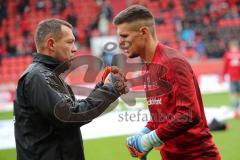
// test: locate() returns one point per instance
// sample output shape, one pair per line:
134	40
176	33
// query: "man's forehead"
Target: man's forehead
66	28
124	28
67	31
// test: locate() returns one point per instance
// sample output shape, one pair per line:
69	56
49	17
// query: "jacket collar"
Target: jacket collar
46	60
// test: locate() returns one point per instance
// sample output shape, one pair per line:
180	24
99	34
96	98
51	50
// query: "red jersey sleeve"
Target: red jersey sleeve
150	125
187	112
225	64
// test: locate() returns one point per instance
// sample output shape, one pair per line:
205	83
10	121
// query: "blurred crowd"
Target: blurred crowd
197	31
201	26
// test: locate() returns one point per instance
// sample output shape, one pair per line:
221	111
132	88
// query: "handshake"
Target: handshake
140	144
115	79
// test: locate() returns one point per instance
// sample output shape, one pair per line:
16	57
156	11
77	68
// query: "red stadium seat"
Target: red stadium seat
229	23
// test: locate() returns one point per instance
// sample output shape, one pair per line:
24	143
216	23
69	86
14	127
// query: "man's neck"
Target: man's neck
150	51
45	52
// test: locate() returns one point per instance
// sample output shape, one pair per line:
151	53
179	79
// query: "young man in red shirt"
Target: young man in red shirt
178	124
232	68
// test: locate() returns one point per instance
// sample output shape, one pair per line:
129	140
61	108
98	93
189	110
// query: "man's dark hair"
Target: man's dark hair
49	27
137	16
133	13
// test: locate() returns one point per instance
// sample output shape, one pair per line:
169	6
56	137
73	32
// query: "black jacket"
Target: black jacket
47	115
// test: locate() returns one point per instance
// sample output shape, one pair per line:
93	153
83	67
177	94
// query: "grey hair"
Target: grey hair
49	27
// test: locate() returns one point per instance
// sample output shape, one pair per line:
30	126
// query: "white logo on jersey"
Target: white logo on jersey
154	101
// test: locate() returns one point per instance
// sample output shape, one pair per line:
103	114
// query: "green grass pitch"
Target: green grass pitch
113	148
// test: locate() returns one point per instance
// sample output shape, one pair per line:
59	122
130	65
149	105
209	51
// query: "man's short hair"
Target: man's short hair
133	13
137	16
49	27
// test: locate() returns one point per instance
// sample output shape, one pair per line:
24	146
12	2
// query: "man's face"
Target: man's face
64	47
130	41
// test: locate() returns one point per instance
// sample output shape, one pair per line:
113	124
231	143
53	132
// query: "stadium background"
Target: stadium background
201	30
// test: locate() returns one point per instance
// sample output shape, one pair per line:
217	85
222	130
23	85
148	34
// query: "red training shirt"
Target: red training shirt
176	108
232	65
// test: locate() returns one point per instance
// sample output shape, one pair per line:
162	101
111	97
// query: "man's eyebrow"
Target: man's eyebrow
123	35
71	39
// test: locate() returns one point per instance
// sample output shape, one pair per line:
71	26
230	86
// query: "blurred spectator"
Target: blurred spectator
196	6
54	7
22	6
12	49
166	5
58	6
27	46
209	29
200	46
40	5
204	17
199	17
232	68
25	25
188	51
100	23
88	30
103	25
72	19
190	54
3	10
232	13
215	49
218	8
188	34
177	22
105	16
106	9
159	19
3	50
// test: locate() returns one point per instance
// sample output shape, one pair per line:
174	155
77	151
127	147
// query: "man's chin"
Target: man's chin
132	55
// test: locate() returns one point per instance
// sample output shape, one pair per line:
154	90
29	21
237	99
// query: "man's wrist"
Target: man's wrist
150	140
145	130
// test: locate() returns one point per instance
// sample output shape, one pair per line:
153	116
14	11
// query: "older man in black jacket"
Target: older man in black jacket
47	114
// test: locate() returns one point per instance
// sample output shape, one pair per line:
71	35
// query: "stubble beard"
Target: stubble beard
133	55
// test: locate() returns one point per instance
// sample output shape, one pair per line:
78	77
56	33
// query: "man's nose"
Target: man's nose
74	49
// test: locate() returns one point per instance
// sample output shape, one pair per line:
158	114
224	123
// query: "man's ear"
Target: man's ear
51	44
144	30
